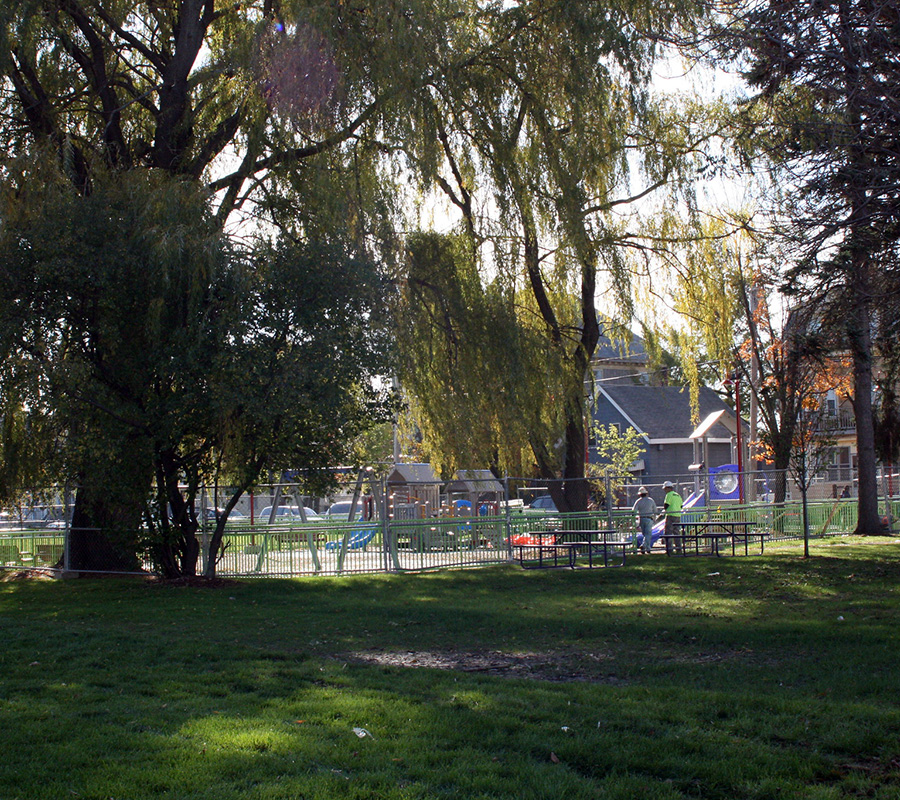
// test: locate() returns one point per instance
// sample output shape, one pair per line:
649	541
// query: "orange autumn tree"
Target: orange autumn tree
795	368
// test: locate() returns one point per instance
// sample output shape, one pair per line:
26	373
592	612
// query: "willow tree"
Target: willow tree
544	142
291	113
219	115
490	386
96	311
701	291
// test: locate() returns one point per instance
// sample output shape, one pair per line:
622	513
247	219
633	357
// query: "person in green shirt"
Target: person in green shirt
672	507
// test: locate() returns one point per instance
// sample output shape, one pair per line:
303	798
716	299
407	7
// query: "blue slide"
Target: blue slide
358	539
695	500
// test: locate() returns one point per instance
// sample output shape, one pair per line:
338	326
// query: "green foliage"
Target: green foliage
168	335
165	356
115	302
197	344
299	386
477	377
711	262
26	448
617	451
374	448
100	290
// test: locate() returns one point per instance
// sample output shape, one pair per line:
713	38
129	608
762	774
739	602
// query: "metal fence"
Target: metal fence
415	536
425	544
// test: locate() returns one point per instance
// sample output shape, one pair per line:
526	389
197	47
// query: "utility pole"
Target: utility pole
754	411
740	434
396	426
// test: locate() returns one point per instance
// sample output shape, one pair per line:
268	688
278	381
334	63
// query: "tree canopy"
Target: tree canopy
191	242
206	216
155	352
208	168
825	119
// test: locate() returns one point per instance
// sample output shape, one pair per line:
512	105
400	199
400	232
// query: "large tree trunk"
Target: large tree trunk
104	533
863	243
859	334
781	464
575	488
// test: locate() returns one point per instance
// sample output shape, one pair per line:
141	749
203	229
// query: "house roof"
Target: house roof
631	352
475	481
664	412
412	473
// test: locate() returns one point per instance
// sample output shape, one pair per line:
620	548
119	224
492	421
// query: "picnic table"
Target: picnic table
574	549
701	537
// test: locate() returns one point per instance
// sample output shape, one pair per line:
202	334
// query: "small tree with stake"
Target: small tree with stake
813	451
616	451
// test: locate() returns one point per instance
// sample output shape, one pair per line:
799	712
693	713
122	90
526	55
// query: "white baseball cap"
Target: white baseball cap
668	485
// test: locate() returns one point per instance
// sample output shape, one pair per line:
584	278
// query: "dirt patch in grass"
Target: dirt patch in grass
884	772
557	665
561	667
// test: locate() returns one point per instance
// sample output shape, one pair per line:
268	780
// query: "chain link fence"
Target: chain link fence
377	527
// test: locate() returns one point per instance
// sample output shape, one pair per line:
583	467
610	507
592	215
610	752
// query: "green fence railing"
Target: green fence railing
31	548
426	544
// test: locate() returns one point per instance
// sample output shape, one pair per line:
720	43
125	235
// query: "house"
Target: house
838	423
616	361
662	414
835	418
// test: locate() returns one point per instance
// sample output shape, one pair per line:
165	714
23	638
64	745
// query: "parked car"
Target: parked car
545	504
289	514
212	514
340	511
41	517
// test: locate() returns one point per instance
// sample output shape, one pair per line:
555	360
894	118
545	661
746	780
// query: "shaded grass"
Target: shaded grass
767	677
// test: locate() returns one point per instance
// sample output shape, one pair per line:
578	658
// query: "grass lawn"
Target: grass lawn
761	677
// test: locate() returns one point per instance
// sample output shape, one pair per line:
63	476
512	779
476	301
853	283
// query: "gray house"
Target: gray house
663	415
